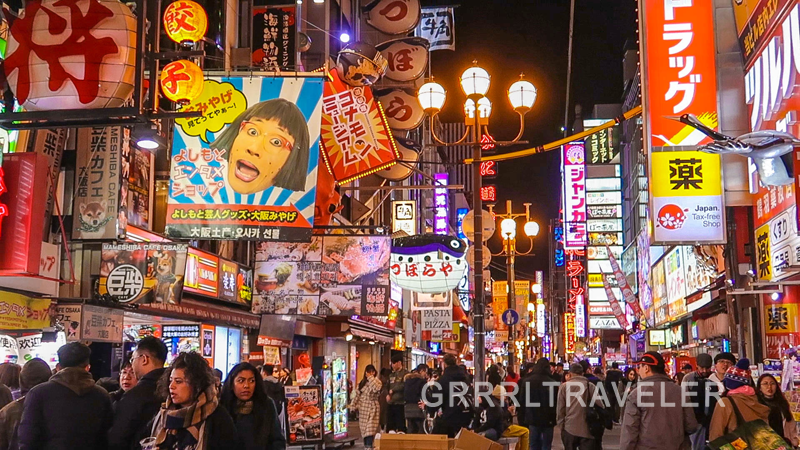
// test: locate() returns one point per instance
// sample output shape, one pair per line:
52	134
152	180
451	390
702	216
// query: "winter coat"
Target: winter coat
368	406
68	412
537	397
492	416
613	383
654	418
724	419
397	387
134	410
219	431
269	437
572	417
10	416
703	392
452	411
274	389
414	383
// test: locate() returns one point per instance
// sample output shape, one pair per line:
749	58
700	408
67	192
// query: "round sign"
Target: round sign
486	256
467	225
125	283
510	317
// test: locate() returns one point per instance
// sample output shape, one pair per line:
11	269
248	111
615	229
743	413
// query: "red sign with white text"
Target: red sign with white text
202	273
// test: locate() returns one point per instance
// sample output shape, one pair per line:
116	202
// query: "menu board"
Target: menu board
304	415
331	275
339	398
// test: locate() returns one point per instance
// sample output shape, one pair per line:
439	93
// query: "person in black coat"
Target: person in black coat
493	419
141	403
68	412
254	413
414	383
614	388
273	386
453	413
537	394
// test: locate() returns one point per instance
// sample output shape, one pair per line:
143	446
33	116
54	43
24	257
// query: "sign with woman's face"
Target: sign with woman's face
246	169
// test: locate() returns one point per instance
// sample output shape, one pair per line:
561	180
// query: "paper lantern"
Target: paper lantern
185	21
409	154
407	57
428	263
75	54
182	81
393	16
402	107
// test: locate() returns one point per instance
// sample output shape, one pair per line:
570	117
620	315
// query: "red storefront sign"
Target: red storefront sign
23	227
202	273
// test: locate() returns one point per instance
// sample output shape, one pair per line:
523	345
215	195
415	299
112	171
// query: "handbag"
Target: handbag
598	418
753	435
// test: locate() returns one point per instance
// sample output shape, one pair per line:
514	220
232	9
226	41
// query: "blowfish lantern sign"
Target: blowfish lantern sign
182	81
428	263
72	54
185	21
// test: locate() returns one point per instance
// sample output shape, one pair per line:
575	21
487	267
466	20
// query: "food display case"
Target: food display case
339	376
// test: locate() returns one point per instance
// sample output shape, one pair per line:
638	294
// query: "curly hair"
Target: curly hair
196	369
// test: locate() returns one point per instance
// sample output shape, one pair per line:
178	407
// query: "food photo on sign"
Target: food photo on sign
247	168
143	272
331	275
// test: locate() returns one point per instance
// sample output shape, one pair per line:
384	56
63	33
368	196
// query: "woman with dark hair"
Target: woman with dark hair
630	380
366	401
190	418
254	413
780	414
9	376
493	375
267	145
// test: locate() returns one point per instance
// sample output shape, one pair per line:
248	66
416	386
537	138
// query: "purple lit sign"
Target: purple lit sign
440	203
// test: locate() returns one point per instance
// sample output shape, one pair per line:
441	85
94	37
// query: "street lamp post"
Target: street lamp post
508	230
478	108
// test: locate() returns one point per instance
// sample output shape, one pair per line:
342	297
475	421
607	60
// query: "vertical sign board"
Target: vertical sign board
438	26
97	183
404	216
51	144
680	78
575	272
574	171
274	35
440	203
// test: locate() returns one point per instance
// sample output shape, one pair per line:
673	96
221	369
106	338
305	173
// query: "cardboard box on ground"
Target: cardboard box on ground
465	440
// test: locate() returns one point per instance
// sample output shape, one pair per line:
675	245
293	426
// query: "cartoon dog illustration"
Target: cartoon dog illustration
165	277
93	220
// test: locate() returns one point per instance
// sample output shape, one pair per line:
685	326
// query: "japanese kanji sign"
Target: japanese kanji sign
18	312
687	200
441	204
574	170
602	147
202	273
678	52
97	183
274	37
356	140
438	26
247	168
331	275
143	272
101	324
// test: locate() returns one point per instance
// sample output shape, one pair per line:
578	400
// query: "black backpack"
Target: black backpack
598	417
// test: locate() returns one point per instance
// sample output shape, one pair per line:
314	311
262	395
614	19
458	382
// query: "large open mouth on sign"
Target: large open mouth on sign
246	171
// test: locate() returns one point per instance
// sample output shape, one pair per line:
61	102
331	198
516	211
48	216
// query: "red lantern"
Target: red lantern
182	81
185	21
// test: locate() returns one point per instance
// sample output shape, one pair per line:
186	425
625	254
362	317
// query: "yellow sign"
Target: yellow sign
595	279
455	336
18	312
272	355
499	289
220	103
781	318
763	253
686	174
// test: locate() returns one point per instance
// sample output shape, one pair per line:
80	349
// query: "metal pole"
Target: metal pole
569	65
479	306
512	298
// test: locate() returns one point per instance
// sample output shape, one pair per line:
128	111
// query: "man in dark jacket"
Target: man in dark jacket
613	385
414	382
68	412
34	373
396	418
273	386
537	396
454	413
141	403
493	417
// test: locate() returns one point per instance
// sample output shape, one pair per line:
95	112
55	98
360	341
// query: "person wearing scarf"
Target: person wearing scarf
254	413
780	414
191	418
738	384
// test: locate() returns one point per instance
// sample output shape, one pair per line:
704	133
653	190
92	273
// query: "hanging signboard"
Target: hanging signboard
101	324
407	58
202	273
438	26
403	110
68	320
331	275
355	135
143	272
428	263
274	32
228	271
138	173
247	168
602	147
393	16
619	314
437	319
404	216
627	291
441	202
97	183
573	159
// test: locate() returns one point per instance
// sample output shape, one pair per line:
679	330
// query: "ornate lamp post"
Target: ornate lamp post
475	84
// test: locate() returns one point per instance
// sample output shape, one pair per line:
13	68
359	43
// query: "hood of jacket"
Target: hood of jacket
77	379
750	403
412	375
454	373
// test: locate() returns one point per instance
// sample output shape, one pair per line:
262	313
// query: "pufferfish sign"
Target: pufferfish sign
428	263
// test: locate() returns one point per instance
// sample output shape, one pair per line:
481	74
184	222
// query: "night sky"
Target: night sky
531	36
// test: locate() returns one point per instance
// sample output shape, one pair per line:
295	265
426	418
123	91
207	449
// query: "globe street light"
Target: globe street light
475	83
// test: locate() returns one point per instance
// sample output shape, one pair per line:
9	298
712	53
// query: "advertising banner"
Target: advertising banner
676	283
643	274
136	198
619	314
438	26
777	246
50	143
602	147
18	312
703	264
68	319
274	35
304	415
499	306
622	281
143	272
755	22
247	168
573	159
687	198
331	275
97	183
356	140
202	273
101	324
659	286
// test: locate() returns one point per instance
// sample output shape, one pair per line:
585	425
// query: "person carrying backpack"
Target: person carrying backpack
700	391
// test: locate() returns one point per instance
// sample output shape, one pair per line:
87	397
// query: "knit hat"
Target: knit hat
498	391
33	373
738	375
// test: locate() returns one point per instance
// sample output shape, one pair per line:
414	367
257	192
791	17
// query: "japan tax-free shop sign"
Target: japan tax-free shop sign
247	168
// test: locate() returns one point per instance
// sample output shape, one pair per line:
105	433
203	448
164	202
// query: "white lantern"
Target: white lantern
475	80
522	95
431	96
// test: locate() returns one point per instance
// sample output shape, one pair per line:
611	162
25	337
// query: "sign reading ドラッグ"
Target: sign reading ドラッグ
247	168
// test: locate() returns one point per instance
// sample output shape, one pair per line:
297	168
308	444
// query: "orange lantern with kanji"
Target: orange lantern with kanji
185	21
182	81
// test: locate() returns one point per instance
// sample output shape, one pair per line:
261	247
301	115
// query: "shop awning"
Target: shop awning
204	312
